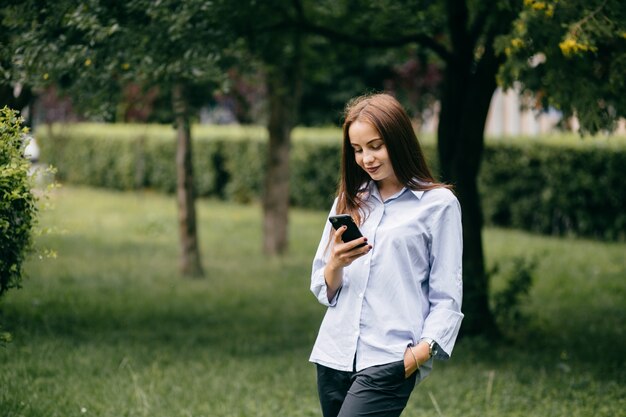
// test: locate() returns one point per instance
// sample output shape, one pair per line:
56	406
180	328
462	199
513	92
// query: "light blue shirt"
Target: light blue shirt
408	287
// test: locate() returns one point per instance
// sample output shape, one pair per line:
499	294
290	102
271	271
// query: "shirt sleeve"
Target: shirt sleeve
318	283
443	321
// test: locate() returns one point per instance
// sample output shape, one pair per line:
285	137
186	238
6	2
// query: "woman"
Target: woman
394	303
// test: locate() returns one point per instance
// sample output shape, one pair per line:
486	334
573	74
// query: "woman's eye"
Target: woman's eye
358	150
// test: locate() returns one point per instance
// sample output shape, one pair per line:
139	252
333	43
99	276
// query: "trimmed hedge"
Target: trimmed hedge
556	189
229	162
561	186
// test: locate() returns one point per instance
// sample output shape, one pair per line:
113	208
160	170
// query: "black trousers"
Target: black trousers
378	391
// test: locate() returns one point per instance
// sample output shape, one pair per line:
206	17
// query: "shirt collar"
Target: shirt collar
418	193
369	189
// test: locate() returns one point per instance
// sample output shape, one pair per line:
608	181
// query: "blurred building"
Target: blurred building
508	117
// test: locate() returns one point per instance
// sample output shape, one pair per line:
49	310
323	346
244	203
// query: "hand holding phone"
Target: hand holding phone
352	231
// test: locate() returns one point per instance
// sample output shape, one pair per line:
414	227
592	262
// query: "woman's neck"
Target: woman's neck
388	187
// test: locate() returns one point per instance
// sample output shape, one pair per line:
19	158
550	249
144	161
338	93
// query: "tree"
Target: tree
570	55
282	61
292	60
92	49
280	50
284	92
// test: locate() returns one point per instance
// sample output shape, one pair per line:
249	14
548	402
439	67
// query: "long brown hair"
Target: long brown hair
388	117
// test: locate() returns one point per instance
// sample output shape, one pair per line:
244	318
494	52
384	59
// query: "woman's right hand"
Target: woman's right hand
341	255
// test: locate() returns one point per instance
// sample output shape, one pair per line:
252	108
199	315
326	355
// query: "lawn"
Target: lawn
108	328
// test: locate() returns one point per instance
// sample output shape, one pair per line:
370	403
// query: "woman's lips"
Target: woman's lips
372	170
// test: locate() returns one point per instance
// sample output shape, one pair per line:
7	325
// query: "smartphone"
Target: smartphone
352	232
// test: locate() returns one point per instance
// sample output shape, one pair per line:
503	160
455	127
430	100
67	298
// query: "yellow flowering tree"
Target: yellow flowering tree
570	55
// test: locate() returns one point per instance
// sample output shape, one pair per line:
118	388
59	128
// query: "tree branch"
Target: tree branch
419	38
304	25
578	25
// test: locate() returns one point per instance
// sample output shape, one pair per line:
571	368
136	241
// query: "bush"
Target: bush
566	186
508	302
314	174
556	189
18	210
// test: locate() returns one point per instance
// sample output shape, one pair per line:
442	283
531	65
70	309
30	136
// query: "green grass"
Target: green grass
109	329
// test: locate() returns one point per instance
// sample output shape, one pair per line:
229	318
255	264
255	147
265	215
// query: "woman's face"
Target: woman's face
370	151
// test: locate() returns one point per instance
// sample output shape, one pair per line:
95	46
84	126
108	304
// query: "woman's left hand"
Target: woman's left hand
422	354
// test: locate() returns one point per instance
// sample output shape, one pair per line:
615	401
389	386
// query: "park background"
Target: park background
169	281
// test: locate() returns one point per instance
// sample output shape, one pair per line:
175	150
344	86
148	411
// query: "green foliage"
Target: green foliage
91	49
5	337
550	186
314	174
102	330
508	303
18	211
571	54
556	189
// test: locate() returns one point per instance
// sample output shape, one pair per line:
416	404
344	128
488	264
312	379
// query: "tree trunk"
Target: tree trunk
284	92
190	264
276	190
464	106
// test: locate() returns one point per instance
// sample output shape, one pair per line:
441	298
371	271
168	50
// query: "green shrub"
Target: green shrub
18	210
561	186
314	174
244	162
556	189
508	302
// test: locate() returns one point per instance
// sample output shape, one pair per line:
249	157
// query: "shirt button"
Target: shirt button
360	295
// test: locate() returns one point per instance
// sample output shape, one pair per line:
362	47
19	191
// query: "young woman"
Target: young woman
394	303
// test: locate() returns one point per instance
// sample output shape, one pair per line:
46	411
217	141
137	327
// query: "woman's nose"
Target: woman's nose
368	157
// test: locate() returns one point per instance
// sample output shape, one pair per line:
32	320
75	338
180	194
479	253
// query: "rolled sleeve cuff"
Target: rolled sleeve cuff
320	290
443	326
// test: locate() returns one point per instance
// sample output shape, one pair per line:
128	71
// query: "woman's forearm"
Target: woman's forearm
333	276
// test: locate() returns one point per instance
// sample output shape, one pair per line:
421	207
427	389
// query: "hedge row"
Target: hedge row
228	162
558	190
564	188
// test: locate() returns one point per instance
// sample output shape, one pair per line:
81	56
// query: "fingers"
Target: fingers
349	257
350	245
338	233
359	247
345	253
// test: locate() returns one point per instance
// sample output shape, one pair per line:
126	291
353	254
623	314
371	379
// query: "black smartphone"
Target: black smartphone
352	232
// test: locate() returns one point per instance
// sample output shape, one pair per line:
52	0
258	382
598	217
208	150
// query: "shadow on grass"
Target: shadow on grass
246	324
